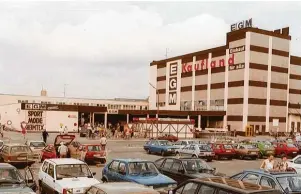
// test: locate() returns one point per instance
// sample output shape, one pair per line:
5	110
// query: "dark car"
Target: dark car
286	182
220	185
182	169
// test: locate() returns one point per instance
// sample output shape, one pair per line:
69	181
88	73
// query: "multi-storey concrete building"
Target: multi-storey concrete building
252	80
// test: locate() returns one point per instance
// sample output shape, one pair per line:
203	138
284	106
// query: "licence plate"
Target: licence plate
96	155
253	152
228	151
294	152
21	158
78	190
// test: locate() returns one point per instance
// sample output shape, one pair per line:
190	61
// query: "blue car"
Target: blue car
139	171
286	182
162	147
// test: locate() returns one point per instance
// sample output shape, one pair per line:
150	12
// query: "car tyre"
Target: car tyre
254	158
103	161
104	180
260	155
41	191
148	151
194	156
209	160
162	153
178	154
230	158
282	155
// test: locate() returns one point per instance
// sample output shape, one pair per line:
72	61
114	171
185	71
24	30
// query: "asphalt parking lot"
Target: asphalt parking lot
134	149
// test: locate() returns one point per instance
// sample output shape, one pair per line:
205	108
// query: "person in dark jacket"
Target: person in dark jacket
45	135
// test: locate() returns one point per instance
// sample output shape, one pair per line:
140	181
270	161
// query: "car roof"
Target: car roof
6	165
124	188
274	174
15	144
131	160
59	161
232	184
35	141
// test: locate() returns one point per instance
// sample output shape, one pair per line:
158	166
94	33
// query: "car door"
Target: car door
268	182
29	178
192	151
49	181
112	171
122	172
296	164
165	168
251	178
185	150
177	171
43	176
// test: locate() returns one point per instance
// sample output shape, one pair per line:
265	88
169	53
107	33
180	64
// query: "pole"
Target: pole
157	111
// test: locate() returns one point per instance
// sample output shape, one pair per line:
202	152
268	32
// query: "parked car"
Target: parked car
162	147
120	188
285	149
36	146
203	151
83	132
136	170
65	175
48	152
94	153
218	185
168	137
15	182
286	182
265	149
295	164
182	169
18	154
223	151
182	143
246	151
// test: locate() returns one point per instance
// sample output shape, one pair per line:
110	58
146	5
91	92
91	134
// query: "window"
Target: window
159	162
192	147
298	161
168	163
184	143
45	167
114	166
266	181
176	166
251	178
122	168
190	188
237	176
16	149
51	170
5	149
72	170
206	189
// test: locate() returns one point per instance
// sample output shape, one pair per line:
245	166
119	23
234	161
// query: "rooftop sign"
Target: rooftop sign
241	25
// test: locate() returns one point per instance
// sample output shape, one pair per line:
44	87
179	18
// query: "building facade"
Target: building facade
253	78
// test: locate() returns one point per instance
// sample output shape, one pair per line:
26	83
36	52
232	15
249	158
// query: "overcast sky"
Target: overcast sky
103	50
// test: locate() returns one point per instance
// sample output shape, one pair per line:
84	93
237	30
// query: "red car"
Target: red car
169	137
223	150
285	149
94	153
48	152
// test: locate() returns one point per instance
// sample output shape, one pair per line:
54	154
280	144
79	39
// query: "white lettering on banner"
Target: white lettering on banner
173	84
35	121
236	49
237	66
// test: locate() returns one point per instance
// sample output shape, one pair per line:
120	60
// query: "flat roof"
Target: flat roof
60	161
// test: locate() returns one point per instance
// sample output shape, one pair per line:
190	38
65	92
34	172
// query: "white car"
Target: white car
203	151
295	164
182	143
65	175
36	145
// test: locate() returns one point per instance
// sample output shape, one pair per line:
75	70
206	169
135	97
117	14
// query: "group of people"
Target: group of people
271	165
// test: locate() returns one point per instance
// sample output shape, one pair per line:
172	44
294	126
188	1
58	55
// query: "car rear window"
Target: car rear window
228	146
37	144
291	145
16	149
95	148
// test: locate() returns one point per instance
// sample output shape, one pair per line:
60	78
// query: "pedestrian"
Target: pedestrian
65	130
63	149
103	142
45	135
1	130
24	132
268	164
283	165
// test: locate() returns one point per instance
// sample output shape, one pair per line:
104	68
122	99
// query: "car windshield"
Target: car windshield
291	145
205	147
37	144
190	142
142	168
17	149
290	184
193	166
94	148
228	146
72	170
165	143
249	146
10	175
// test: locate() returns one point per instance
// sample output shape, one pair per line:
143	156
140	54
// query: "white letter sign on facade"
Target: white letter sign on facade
173	84
241	25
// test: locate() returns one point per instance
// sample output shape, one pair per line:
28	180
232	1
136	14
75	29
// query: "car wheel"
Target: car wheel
230	158
194	156
209	160
148	151
178	154
162	153
103	161
104	180
260	155
254	158
241	157
41	191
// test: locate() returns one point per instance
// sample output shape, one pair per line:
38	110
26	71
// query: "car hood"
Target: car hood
81	182
159	179
16	189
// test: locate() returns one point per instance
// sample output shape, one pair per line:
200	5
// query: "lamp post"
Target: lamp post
157	92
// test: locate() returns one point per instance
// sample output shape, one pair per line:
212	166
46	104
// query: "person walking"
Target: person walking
63	149
1	129
268	164
45	135
103	142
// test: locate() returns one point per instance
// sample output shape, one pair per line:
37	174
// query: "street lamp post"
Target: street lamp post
157	93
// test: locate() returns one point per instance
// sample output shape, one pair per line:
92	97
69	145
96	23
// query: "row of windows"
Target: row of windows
110	106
